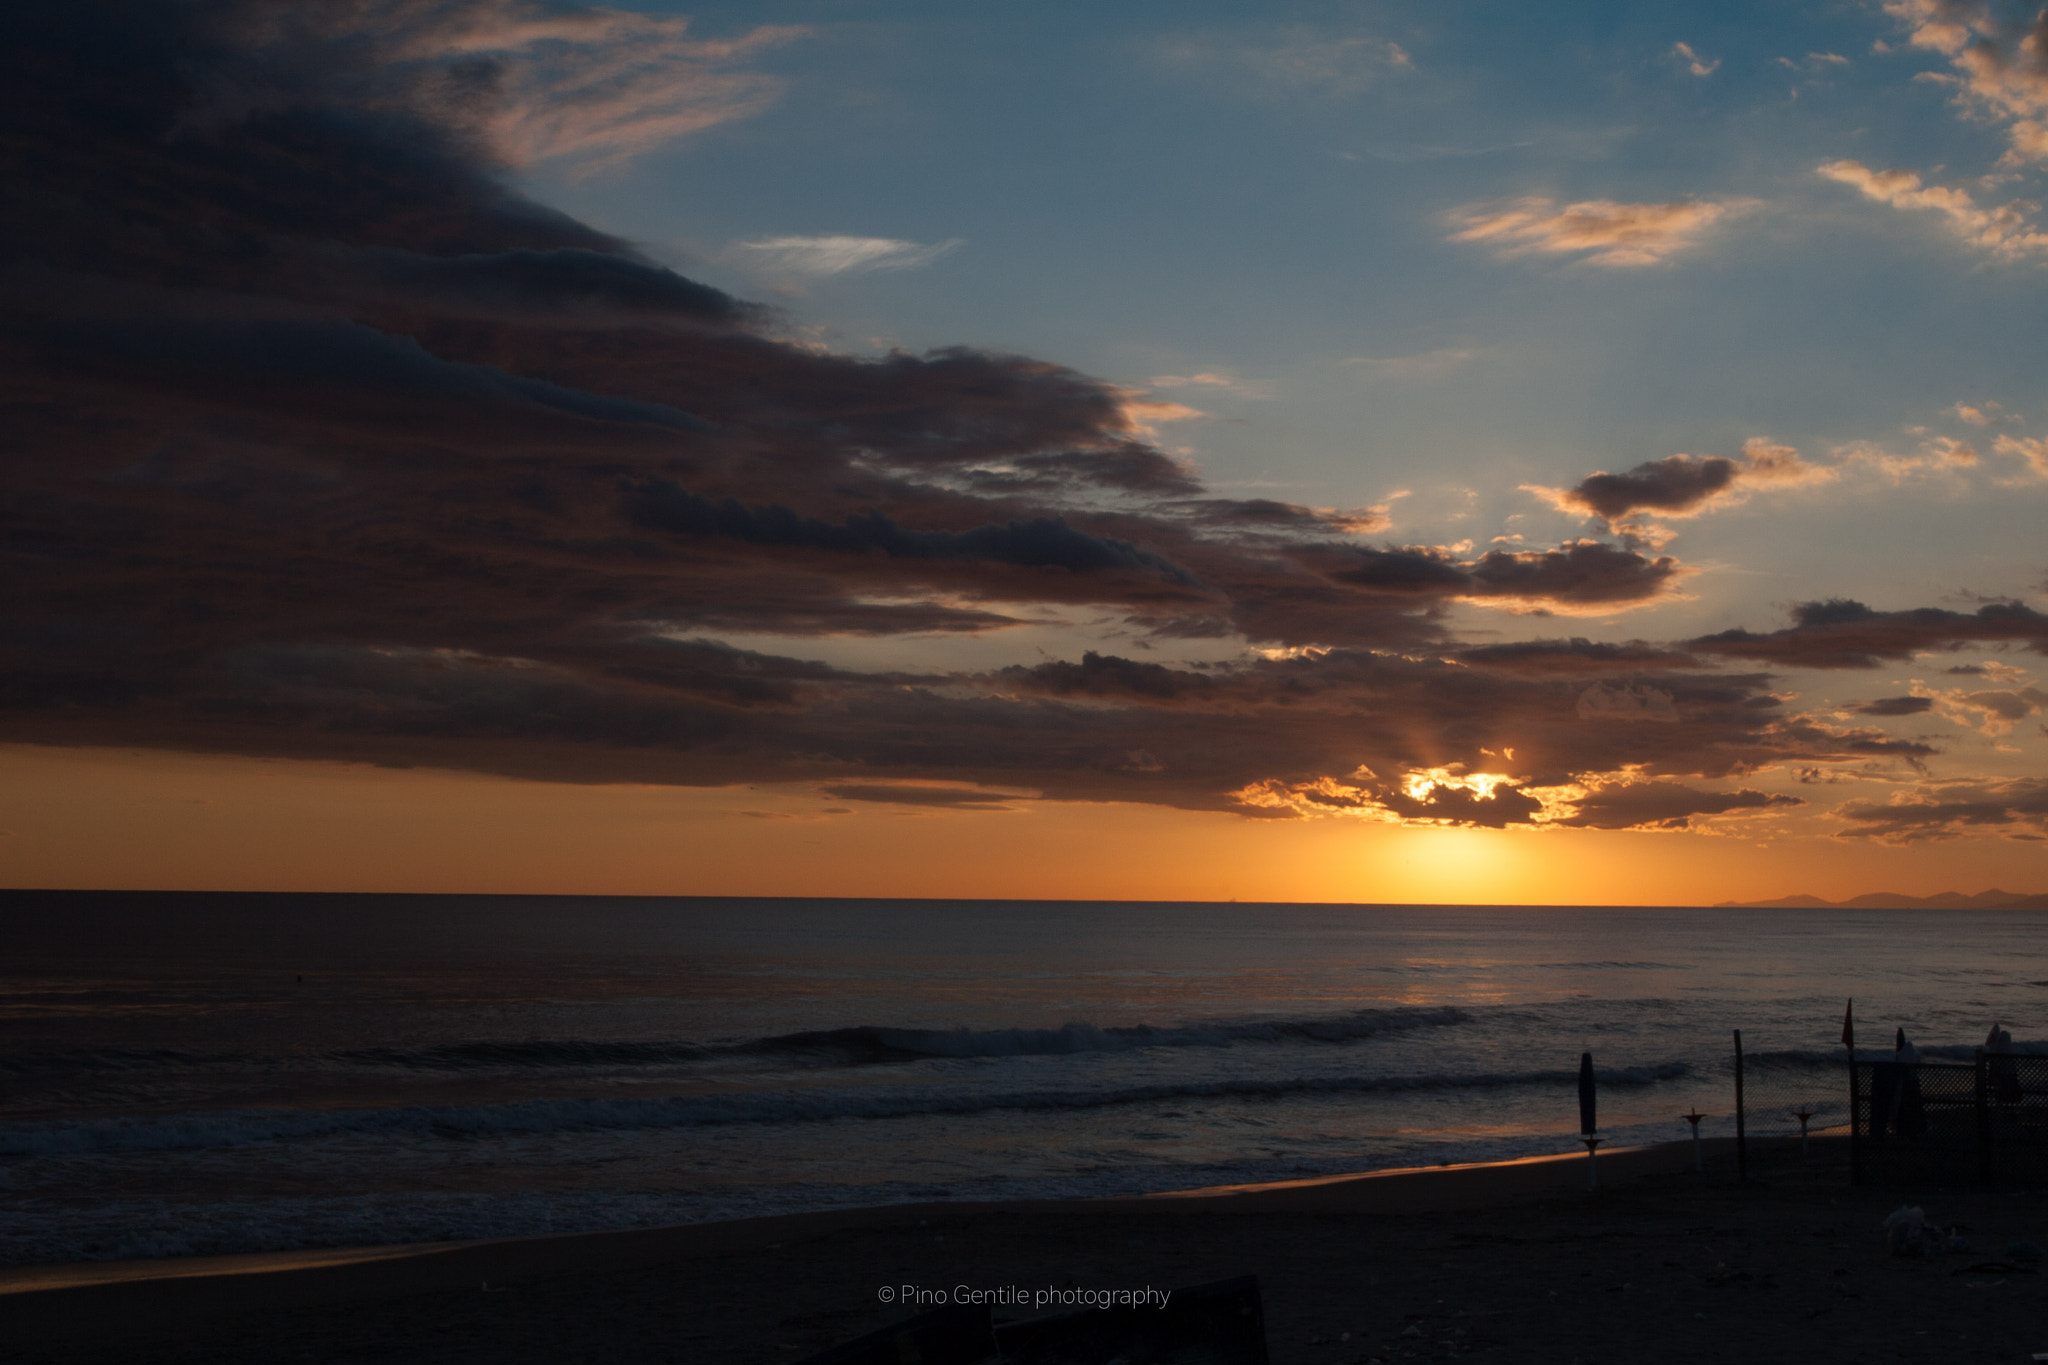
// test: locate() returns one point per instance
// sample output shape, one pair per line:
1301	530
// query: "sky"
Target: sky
1367	452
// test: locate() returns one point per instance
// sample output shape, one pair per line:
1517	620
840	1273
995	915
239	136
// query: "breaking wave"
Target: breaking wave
860	1045
897	1043
242	1127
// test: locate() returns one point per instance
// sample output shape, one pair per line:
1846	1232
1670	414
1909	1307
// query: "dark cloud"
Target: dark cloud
1450	802
2006	705
949	798
1583	573
2016	808
1685	485
1043	542
300	363
1503	806
325	442
1676	483
1894	706
1663	805
1416	572
1840	633
1106	675
1263	516
569	284
1576	657
1123	466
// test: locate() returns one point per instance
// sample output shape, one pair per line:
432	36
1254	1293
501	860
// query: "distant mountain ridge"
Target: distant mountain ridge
1889	900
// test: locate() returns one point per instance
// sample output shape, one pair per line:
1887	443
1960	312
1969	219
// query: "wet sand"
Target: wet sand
1509	1262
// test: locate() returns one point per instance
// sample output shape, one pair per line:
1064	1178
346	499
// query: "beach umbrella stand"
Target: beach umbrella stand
1693	1117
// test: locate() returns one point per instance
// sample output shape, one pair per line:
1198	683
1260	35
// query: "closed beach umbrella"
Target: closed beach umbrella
1587	1126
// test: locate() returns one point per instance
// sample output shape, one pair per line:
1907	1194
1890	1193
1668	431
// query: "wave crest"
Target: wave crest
239	1128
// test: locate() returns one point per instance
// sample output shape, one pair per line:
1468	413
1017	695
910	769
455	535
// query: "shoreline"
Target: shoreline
1510	1261
47	1298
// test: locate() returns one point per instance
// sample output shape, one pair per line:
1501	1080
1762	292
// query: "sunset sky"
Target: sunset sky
1376	452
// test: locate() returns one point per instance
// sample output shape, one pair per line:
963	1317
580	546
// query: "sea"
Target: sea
191	1074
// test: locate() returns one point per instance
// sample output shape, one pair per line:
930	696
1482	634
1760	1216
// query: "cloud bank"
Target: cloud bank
326	442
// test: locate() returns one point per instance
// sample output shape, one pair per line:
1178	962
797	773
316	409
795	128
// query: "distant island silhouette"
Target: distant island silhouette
1889	900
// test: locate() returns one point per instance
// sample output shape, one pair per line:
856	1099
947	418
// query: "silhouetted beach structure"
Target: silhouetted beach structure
1212	1324
1985	1121
2005	1072
958	1334
1909	1117
1589	1120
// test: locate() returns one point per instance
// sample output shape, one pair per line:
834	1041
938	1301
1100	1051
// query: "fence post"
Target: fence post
1741	1117
1983	1078
1855	1126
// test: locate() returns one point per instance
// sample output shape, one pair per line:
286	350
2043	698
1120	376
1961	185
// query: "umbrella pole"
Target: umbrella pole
1589	1122
1694	1118
1741	1118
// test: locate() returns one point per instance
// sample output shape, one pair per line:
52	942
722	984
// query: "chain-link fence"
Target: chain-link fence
1909	1123
1952	1123
2014	1115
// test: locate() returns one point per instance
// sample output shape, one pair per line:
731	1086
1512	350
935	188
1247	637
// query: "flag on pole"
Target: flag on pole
1849	1026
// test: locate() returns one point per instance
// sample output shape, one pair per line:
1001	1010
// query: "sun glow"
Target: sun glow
1440	864
1424	781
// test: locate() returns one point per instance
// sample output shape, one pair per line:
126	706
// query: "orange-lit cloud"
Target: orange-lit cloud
2008	231
1602	231
1698	65
2032	449
1982	414
2001	64
1937	456
1143	415
1989	711
1452	797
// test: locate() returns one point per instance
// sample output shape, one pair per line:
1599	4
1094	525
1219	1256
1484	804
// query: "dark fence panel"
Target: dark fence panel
1949	1123
2015	1119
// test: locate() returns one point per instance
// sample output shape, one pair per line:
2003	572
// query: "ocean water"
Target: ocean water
199	1074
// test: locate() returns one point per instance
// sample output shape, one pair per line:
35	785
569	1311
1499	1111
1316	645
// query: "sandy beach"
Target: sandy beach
1514	1261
